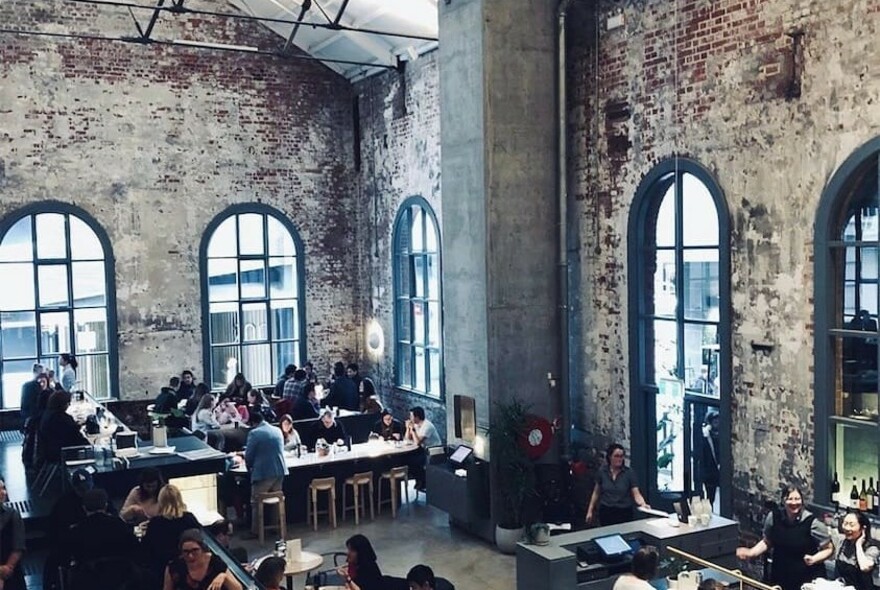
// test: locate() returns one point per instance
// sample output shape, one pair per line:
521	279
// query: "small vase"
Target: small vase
672	583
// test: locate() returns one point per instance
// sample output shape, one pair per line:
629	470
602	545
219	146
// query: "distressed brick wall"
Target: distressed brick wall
400	158
155	141
713	80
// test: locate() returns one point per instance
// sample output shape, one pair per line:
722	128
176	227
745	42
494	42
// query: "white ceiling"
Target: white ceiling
414	17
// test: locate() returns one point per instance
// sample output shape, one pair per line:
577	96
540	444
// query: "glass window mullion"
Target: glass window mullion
679	275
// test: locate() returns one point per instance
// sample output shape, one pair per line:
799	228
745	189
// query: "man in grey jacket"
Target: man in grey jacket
264	457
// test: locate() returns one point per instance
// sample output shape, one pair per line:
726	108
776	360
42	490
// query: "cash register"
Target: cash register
605	556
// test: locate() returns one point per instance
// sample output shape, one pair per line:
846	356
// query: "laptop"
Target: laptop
126	444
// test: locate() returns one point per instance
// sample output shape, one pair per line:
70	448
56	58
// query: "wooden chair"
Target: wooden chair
359	483
271	499
321	484
395	477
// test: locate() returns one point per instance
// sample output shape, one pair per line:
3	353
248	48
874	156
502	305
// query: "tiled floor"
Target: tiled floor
419	534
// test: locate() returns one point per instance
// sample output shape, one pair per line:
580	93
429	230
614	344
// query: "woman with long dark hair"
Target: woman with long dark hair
68	373
361	572
142	502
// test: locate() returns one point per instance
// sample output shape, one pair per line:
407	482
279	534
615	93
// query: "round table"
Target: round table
306	563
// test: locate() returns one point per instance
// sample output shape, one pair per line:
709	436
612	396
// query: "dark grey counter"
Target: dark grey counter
555	567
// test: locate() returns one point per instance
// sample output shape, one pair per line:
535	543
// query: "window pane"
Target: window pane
418	234
856	453
434	324
250	233
419	274
51	238
859	219
665	231
404	320
420	383
280	240
253	279
15	374
52	282
433	277
403	244
700	282
222	280
404	365
255	322
223	323
93	375
430	235
418	319
224	365
286	353
403	275
55	333
222	241
17	245
84	243
257	364
22	276
855	377
19	334
282	277
859	269
435	372
670	435
91	330
664	298
699	215
663	359
701	358
89	284
284	320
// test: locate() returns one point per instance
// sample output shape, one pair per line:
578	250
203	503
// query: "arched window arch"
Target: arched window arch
59	295
253	308
679	302
847	288
418	322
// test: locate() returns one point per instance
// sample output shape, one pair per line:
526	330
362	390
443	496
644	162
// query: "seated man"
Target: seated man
328	428
222	533
388	427
167	398
422	432
305	405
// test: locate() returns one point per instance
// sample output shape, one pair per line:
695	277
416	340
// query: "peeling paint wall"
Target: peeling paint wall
155	141
731	101
400	158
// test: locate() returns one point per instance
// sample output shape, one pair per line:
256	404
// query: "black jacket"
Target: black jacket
303	409
331	435
57	430
101	536
344	394
162	538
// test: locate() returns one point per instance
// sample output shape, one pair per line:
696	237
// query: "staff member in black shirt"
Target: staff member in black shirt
616	492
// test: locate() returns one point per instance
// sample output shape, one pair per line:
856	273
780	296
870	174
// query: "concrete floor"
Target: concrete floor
419	534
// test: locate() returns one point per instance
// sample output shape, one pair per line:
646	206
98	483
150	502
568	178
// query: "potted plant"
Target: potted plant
514	471
672	567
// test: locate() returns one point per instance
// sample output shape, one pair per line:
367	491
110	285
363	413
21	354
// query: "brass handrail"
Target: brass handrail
732	573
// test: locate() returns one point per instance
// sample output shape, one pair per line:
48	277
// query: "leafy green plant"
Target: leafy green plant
672	566
515	472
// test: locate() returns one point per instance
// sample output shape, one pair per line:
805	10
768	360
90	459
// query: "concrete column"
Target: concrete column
500	229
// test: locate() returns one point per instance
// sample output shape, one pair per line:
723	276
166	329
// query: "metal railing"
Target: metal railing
744	580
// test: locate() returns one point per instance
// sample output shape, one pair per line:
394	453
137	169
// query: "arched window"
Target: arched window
58	295
417	299
252	285
846	298
679	324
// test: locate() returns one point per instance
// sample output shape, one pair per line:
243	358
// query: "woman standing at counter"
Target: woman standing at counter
858	554
799	541
616	492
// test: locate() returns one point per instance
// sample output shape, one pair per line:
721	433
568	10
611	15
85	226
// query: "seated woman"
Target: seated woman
257	403
271	573
192	403
291	436
644	569
328	428
388	427
196	568
58	428
858	554
164	529
237	390
226	412
361	572
142	502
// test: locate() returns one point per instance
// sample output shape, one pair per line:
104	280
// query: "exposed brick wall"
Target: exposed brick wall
719	88
400	158
155	141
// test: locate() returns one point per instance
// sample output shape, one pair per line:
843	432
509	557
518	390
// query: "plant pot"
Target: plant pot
506	539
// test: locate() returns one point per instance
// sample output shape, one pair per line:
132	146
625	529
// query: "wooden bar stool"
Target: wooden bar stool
359	482
321	484
271	499
395	477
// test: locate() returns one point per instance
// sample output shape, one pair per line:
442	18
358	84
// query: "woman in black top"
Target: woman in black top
58	428
163	531
361	571
616	492
799	542
237	390
857	557
388	427
197	568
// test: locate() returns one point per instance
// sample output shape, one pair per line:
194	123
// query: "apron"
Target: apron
850	572
791	541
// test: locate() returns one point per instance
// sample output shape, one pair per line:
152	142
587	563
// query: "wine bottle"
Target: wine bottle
854	496
870	494
863	497
877	497
835	490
